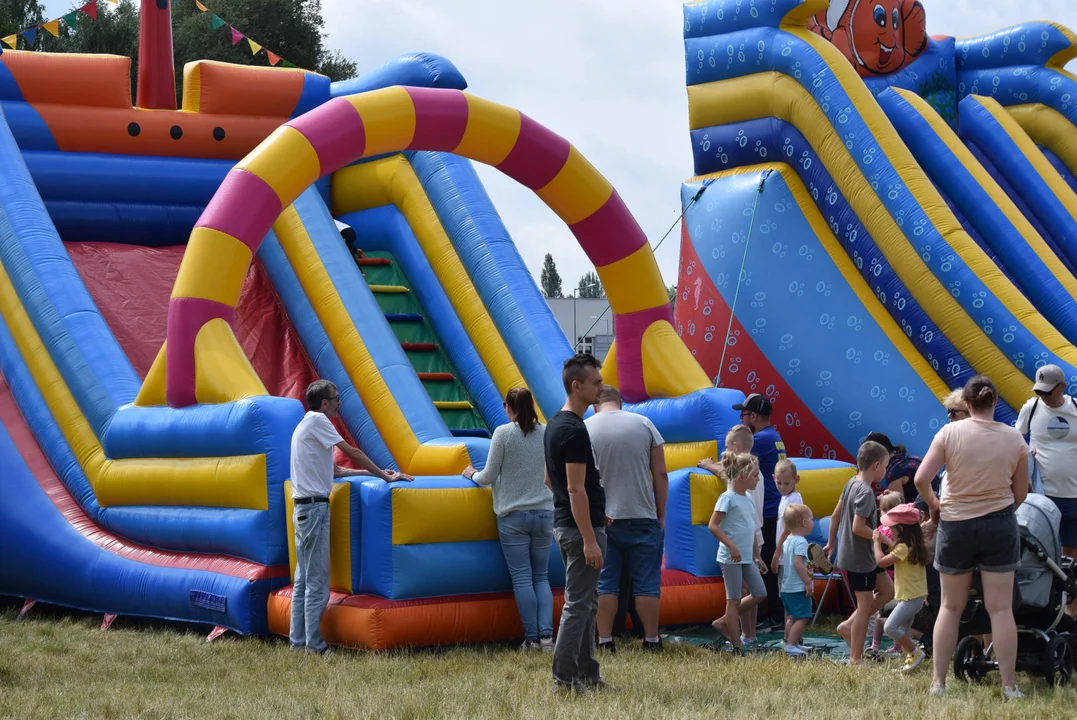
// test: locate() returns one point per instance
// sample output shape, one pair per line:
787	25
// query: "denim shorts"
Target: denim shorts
1067	531
797	604
636	543
989	543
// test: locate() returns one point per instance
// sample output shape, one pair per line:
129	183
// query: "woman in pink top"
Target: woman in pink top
986	479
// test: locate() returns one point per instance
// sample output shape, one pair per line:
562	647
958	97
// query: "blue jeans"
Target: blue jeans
310	590
526	536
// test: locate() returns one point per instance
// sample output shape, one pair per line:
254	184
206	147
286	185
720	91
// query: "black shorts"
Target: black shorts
862	582
989	543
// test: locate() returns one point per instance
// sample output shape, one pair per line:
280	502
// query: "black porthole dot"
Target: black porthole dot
176	132
218	133
133	129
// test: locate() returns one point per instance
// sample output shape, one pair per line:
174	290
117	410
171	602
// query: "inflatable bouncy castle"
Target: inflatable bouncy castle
171	279
878	214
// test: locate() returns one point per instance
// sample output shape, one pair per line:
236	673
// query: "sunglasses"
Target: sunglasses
954	413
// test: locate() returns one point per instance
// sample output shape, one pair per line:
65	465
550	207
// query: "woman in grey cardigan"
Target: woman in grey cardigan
516	468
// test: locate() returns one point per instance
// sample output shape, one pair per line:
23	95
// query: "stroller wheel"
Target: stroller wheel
969	661
1057	663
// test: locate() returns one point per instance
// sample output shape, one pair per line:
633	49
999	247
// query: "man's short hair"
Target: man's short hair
609	394
575	369
870	453
786	465
316	392
741	434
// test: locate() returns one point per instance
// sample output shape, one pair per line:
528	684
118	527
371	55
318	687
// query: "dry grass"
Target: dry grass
59	666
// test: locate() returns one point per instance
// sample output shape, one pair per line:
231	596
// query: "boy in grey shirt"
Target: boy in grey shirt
632	464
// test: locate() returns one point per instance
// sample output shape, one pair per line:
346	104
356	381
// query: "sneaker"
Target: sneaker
794	651
913	660
940	690
652	646
819	560
530	644
325	651
748	643
610	647
546	643
1011	693
873	654
806	649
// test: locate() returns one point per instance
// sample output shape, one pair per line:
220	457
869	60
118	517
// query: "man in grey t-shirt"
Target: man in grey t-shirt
632	465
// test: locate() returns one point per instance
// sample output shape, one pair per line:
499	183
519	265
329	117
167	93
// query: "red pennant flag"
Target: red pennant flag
236	35
90	9
273	58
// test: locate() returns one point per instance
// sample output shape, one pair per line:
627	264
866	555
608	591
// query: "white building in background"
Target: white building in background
588	321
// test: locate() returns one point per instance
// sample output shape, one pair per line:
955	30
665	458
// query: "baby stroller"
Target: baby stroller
1044	583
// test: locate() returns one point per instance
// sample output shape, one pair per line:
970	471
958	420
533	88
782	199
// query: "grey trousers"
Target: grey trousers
900	620
574	660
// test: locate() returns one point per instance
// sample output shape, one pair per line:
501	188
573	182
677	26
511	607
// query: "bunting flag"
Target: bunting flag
72	20
255	47
53	26
273	58
287	64
30	36
215	22
90	9
10	40
236	35
200	6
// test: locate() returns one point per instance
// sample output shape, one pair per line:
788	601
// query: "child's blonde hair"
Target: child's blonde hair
734	465
742	436
890	500
784	466
795	515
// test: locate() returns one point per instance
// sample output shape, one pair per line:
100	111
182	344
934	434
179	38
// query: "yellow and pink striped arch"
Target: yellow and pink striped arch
651	361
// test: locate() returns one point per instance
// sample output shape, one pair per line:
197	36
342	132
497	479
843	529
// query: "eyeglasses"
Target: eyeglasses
952	413
333	397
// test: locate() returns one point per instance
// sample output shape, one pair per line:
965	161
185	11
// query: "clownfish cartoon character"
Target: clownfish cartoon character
879	37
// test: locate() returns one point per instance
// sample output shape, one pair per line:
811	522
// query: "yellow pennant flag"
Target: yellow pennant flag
197	4
114	2
10	40
53	26
255	47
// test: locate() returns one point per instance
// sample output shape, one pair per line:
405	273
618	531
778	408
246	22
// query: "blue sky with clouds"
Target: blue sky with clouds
607	76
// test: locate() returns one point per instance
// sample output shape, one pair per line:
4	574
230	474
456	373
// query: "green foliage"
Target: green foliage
16	15
671	290
551	279
590	286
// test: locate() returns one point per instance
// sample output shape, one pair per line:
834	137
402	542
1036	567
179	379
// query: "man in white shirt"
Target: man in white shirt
313	470
1049	422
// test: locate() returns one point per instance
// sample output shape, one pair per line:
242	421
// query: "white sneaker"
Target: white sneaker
794	651
1011	693
937	690
546	643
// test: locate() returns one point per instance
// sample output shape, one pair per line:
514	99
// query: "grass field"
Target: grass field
57	666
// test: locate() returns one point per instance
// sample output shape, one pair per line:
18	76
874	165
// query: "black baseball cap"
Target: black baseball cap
755	403
882	440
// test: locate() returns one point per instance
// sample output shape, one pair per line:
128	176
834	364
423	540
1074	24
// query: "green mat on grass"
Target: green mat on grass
823	645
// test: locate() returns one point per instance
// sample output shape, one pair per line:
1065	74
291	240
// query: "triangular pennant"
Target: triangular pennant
53	26
288	64
29	36
273	58
255	47
72	19
198	5
236	35
90	9
10	40
114	2
215	22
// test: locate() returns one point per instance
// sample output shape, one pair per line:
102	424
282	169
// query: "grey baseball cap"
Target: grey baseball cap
1048	378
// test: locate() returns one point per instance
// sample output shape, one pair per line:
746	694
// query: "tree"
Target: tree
551	279
590	286
672	292
293	29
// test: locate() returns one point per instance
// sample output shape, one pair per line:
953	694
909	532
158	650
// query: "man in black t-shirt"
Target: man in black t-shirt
579	519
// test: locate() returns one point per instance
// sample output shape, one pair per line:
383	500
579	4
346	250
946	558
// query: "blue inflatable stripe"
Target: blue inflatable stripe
416	69
316	91
702	415
725	16
1060	167
1032	43
522	316
369	321
26	124
386	229
787	54
982	216
320	350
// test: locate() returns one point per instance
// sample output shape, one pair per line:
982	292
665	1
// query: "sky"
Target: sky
609	76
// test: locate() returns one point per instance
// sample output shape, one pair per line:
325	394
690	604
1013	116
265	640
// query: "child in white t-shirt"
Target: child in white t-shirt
786	479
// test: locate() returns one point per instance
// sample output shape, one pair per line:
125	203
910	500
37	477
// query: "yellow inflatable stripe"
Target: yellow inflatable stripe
152	392
997	194
776	95
359	187
340	547
222	263
687	455
388	289
705	489
634	283
822	488
1059	59
669	370
609	365
452	405
223	372
286	161
491	132
848	270
388	117
442	515
1049	128
574	193
233	482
